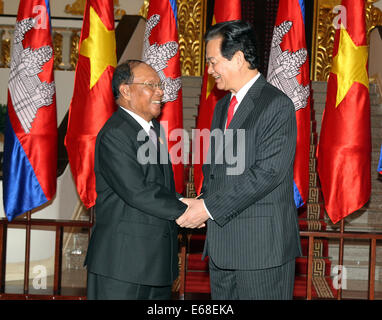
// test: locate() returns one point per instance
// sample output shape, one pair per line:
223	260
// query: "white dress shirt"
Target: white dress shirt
144	124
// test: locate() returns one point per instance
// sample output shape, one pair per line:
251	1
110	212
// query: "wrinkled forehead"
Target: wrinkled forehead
145	73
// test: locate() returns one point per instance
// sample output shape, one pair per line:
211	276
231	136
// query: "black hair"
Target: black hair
123	73
236	35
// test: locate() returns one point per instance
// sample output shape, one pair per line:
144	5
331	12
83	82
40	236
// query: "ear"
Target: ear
239	57
124	91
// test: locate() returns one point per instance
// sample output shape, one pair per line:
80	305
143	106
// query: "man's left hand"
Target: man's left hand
194	216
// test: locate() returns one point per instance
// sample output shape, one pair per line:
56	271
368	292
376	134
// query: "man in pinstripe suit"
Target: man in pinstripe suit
252	228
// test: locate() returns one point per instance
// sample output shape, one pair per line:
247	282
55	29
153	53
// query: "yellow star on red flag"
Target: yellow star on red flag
350	65
94	46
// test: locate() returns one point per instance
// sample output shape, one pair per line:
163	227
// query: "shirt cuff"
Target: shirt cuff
209	214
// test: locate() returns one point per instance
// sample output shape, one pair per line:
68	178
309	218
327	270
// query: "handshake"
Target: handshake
195	216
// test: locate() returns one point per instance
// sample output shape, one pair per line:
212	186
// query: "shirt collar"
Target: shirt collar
144	124
243	91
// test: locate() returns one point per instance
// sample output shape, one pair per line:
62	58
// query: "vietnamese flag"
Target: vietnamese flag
223	11
92	102
344	150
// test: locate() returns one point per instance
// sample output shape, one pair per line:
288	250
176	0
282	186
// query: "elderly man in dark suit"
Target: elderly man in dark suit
252	228
133	251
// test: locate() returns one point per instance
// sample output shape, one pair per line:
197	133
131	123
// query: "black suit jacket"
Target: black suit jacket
255	219
135	235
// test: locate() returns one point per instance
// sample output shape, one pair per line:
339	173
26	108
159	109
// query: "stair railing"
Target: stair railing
28	222
342	235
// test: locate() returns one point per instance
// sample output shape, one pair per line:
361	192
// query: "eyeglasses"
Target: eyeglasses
153	86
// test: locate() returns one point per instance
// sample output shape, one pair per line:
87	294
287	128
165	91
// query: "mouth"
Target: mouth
157	102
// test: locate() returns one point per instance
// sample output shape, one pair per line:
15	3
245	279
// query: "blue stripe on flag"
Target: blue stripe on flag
297	196
48	10
380	162
302	6
21	189
174	10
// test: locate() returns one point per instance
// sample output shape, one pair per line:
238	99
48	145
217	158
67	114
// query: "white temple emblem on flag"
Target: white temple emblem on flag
157	57
27	92
284	66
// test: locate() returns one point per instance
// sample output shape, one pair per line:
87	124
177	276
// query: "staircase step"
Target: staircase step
191	81
311	225
321	288
190	102
302	265
199	282
320	249
195	262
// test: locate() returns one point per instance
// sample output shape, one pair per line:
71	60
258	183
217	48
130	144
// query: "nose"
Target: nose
159	92
210	70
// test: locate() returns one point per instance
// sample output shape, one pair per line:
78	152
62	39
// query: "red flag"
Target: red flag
223	11
161	51
289	71
344	151
30	146
92	102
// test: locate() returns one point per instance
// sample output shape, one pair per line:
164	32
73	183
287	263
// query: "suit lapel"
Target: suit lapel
217	144
136	128
163	157
247	105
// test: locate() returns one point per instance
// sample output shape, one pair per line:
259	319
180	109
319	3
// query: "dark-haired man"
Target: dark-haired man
133	251
252	229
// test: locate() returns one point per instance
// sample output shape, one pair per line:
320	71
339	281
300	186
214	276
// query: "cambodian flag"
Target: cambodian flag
161	51
288	70
380	163
30	146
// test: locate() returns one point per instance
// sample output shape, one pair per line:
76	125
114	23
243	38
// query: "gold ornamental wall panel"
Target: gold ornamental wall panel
324	30
78	8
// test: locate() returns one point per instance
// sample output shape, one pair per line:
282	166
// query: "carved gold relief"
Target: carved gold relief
57	46
323	34
5	52
191	26
144	9
78	7
74	42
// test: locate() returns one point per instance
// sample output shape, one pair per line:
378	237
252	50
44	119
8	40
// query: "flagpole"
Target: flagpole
27	252
340	259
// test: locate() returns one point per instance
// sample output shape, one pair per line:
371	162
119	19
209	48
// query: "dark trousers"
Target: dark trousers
105	288
265	284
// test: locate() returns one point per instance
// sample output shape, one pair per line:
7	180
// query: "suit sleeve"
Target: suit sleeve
124	174
274	153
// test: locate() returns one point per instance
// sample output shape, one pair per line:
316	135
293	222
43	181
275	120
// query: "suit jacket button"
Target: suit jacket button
211	176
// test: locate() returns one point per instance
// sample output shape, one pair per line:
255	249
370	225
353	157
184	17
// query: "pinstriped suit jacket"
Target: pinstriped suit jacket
255	219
